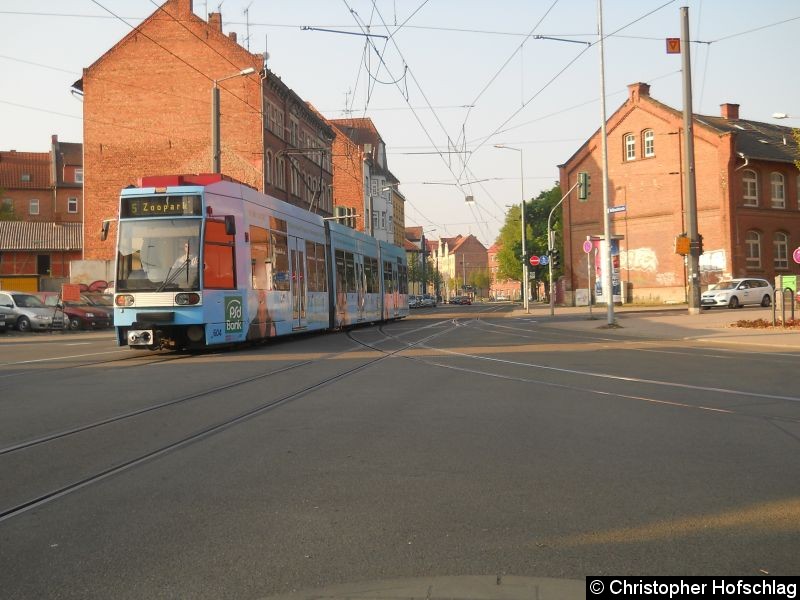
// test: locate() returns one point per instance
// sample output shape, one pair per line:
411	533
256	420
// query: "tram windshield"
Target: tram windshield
159	255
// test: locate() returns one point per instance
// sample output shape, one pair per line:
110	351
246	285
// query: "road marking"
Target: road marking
41	360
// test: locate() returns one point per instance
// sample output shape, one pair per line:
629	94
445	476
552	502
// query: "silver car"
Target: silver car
734	293
26	312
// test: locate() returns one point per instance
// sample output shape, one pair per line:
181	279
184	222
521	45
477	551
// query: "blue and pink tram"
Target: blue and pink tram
203	260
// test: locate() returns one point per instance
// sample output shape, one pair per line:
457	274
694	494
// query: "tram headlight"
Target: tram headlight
187	299
123	300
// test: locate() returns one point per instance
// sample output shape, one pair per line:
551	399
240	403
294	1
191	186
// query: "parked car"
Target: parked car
78	315
2	323
428	300
413	301
734	293
26	312
461	300
103	300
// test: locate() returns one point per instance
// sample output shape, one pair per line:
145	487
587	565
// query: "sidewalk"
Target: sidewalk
669	322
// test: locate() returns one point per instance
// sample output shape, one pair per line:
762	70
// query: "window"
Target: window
778	190
630	146
27	177
649	142
753	250
268	168
219	268
374	184
72	205
280	173
750	188
7	206
78	175
780	250
293	130
33	207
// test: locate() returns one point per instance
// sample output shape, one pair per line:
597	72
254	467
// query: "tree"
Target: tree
480	279
796	134
510	239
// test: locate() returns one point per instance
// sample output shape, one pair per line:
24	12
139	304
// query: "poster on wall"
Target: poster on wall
598	271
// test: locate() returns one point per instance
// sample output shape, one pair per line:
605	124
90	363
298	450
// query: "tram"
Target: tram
203	260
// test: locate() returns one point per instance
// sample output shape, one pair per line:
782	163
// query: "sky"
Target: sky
448	81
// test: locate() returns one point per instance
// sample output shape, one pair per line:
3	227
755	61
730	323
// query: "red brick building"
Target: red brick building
148	111
41	197
748	210
459	259
501	288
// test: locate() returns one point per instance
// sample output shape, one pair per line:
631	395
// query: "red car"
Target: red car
461	300
78	315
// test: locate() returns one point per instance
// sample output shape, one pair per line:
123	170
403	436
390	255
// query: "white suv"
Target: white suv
734	293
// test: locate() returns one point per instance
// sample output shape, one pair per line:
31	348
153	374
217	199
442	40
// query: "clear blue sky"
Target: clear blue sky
539	95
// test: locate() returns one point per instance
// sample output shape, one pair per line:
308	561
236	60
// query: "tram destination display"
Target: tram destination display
161	206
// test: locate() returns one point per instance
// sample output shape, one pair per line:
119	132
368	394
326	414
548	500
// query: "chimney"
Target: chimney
232	35
185	8
638	89
729	111
215	21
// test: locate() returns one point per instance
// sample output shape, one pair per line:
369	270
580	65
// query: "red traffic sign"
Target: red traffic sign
534	260
796	255
587	246
673	45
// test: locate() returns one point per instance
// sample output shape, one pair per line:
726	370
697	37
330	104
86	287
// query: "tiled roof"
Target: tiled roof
413	233
22	235
757	140
13	165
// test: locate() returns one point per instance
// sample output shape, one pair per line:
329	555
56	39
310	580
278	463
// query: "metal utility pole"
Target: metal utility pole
606	258
551	245
689	189
525	276
424	251
216	146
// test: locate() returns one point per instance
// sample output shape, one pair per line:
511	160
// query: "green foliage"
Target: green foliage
509	258
480	280
796	134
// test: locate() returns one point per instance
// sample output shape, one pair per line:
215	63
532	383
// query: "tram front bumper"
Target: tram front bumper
141	337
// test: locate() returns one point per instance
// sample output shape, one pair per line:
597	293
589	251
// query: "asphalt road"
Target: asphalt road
457	448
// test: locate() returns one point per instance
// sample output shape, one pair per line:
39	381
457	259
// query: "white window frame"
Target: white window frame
78	175
33	206
72	205
629	142
649	143
750	188
780	250
777	185
753	250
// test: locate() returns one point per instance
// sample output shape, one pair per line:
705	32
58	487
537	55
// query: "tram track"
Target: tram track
140	458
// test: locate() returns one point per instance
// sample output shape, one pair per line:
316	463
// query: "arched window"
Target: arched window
778	190
630	146
268	168
750	188
780	250
649	143
753	250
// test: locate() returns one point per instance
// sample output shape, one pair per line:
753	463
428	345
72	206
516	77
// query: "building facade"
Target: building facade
459	259
748	209
148	111
501	289
41	213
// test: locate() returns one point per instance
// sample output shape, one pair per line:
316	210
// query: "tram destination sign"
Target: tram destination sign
161	206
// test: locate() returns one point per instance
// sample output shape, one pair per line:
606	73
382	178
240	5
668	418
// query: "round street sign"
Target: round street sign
796	255
544	259
587	246
534	261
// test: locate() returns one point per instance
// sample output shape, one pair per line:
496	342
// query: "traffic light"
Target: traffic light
699	244
583	185
555	258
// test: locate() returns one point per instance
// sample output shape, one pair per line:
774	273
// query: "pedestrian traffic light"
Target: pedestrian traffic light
555	258
583	185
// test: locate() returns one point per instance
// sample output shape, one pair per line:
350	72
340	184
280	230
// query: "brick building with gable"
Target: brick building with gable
148	111
748	209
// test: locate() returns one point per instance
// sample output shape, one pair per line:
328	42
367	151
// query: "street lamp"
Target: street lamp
216	153
524	253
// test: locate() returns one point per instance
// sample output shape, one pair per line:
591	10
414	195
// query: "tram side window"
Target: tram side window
351	271
388	284
280	276
403	278
341	285
311	267
322	271
260	258
219	256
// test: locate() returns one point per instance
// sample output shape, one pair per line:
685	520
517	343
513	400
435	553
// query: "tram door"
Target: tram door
395	290
361	287
299	288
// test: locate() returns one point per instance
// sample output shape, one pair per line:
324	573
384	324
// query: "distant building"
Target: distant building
748	210
147	111
459	258
41	202
501	288
360	157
